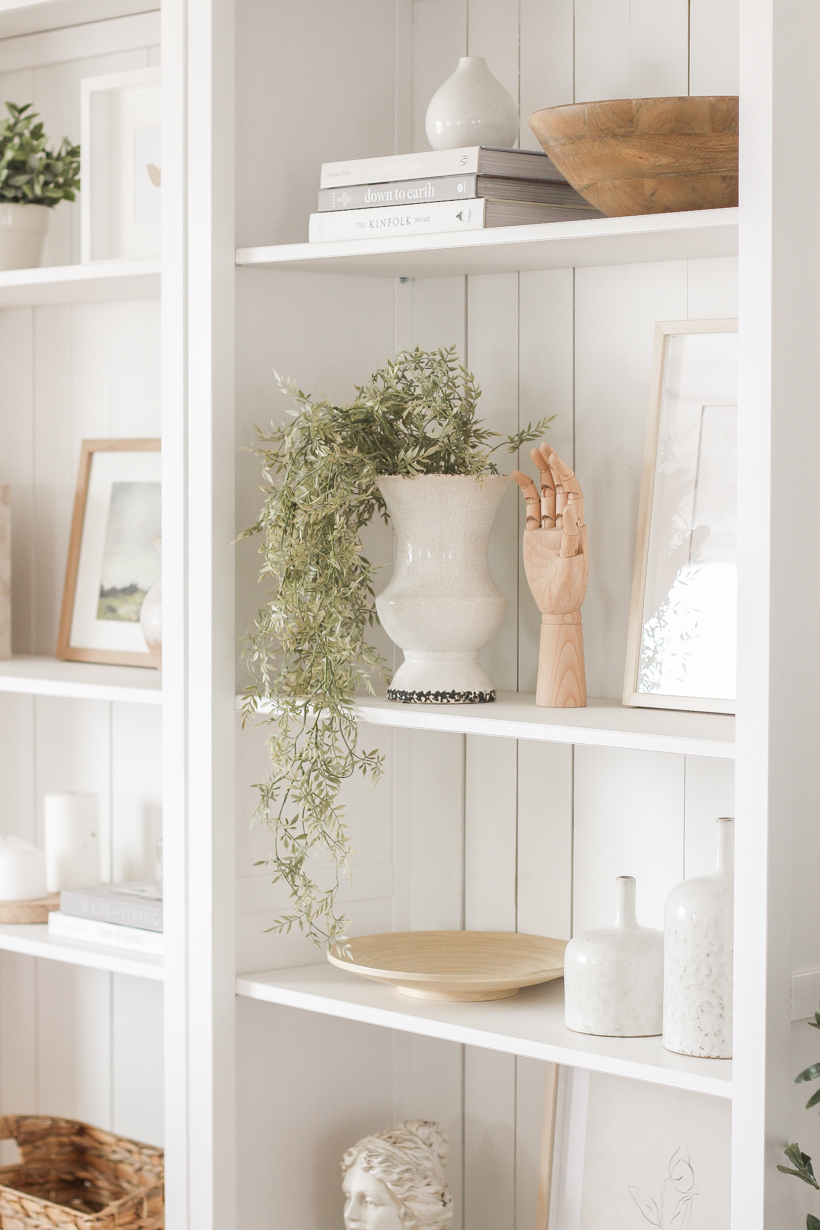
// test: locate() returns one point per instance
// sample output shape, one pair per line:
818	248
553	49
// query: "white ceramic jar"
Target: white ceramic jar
441	605
22	234
22	870
699	946
471	108
613	977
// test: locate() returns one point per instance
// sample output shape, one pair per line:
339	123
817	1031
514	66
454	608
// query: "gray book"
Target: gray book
449	188
137	904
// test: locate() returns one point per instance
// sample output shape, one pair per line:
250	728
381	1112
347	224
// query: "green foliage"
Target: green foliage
31	174
801	1164
309	654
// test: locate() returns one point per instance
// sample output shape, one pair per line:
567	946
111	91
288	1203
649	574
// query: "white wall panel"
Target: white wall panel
492	32
602	50
709	793
489	1139
490	846
17	464
712	288
137	1065
658	52
545	839
547	64
628	822
713	47
309	1087
492	356
429	1084
530	1084
136	791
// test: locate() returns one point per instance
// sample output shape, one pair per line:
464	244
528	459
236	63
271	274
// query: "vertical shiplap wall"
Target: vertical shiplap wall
75	1042
484	833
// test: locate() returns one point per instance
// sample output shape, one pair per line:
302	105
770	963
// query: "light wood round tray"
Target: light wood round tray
453	965
29	911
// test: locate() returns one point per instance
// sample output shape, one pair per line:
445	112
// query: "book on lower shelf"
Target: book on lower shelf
113	935
437	217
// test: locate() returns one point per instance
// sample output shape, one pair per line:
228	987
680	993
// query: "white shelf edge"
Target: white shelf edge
94	282
602	724
33	940
545	245
372	1004
44	676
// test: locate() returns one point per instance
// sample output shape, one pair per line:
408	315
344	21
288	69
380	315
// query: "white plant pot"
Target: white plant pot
699	947
22	234
471	108
613	977
442	605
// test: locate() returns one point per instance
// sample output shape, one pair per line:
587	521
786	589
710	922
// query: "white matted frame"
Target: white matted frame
121	163
685	570
109	470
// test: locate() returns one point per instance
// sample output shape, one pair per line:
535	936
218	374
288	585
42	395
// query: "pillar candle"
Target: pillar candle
71	841
22	870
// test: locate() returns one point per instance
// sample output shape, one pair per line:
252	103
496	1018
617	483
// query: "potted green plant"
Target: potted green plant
801	1164
33	179
323	472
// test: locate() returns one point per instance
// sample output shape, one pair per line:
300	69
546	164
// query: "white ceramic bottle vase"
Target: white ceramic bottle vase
698	942
471	108
613	978
151	617
441	605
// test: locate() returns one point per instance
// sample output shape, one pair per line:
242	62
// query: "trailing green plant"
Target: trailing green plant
309	653
801	1164
31	174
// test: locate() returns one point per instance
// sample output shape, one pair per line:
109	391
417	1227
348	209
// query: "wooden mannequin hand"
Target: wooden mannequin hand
556	559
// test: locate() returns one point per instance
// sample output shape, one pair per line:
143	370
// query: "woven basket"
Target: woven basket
76	1177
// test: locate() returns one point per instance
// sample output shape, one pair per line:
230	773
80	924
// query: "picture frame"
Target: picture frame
120	166
682	639
112	558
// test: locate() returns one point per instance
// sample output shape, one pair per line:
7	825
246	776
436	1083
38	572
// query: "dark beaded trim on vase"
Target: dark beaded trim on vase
441	698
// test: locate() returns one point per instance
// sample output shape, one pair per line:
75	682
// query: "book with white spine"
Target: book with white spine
435	218
483	159
91	931
449	188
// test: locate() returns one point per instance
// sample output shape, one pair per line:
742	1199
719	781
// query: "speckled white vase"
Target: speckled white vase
471	108
699	942
613	978
442	605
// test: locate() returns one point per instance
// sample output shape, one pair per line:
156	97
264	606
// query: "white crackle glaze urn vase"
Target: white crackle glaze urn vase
471	108
698	951
22	234
441	605
613	977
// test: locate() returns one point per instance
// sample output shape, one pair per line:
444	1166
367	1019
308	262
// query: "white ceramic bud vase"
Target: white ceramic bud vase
613	978
471	108
151	617
442	605
699	945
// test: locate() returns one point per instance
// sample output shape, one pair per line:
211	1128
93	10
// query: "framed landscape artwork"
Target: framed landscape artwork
112	556
682	646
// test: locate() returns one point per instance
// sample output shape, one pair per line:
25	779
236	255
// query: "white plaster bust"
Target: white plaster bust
395	1180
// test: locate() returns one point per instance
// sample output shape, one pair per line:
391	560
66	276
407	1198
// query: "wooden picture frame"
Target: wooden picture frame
660	648
86	552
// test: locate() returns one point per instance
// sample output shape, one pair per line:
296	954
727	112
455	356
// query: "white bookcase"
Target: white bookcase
253	1061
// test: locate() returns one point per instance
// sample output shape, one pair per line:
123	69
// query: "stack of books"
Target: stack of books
443	190
119	915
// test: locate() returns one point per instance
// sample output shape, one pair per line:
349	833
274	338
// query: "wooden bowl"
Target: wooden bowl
645	155
454	965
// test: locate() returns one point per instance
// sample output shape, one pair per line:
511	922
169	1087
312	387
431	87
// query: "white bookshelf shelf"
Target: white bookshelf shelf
509	249
42	676
33	940
531	1024
103	281
603	723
